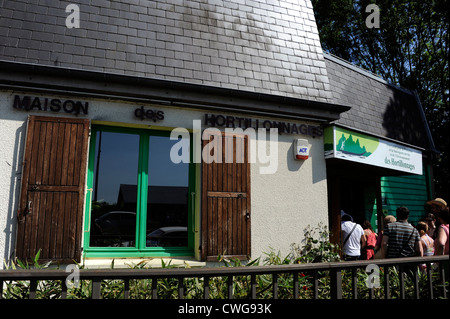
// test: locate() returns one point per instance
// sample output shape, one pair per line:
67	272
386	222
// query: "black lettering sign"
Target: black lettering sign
215	120
303	129
55	105
210	120
36	104
220	120
149	114
29	103
23	104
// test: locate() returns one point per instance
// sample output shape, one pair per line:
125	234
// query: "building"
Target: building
185	131
381	115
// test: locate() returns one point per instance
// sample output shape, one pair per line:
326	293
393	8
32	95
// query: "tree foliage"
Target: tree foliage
409	49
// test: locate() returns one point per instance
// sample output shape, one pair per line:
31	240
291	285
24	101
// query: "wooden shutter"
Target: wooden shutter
53	187
226	198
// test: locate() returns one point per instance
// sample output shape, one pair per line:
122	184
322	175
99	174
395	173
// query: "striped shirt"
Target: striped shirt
402	239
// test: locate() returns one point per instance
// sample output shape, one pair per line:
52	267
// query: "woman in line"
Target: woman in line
426	241
371	240
441	242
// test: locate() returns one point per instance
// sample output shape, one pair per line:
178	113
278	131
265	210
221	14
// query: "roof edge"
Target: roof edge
18	75
364	72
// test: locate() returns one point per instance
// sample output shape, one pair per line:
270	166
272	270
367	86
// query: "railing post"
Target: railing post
230	287
96	288
336	283
154	288
354	283
430	281
295	274
416	284
33	288
180	288
206	287
253	286
316	285
402	282
275	285
387	287
443	266
126	289
63	289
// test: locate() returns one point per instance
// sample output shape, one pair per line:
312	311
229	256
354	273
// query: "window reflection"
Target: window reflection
113	215
115	192
167	202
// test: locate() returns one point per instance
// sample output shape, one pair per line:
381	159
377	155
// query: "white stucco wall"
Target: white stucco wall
282	204
285	203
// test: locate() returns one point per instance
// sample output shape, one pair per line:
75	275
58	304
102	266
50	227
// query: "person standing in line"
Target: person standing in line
426	241
371	240
434	208
442	238
353	239
378	247
401	239
430	220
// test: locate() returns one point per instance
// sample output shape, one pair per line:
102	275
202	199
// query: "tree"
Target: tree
409	49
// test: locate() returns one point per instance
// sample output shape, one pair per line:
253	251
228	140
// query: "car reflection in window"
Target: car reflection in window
116	228
172	236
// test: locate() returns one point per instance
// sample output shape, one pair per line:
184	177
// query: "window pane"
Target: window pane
113	216
167	205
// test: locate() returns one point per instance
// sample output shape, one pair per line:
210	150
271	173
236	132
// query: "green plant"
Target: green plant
317	247
46	289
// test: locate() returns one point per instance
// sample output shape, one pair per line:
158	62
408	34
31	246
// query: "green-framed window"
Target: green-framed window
139	201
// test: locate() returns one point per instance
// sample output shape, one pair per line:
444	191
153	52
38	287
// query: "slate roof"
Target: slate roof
377	107
262	46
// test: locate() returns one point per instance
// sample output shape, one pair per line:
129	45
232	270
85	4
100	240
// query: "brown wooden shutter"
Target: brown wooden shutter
53	188
226	198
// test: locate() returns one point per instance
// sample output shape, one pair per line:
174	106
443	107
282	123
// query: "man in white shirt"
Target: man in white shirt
353	238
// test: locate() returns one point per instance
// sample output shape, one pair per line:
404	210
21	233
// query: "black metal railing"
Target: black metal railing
415	277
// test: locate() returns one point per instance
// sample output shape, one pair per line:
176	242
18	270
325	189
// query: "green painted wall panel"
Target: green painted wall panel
410	191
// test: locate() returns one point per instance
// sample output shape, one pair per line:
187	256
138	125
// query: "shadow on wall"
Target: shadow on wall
14	193
403	121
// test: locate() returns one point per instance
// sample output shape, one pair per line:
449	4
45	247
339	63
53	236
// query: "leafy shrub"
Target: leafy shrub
317	247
